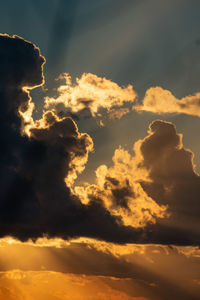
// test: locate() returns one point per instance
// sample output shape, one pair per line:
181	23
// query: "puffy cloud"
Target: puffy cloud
26	62
173	180
38	158
90	93
160	101
137	199
157	188
122	194
121	191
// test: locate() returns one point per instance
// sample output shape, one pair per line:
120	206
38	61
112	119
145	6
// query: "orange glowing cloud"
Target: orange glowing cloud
37	129
90	269
91	93
134	199
160	101
151	186
120	189
118	113
45	285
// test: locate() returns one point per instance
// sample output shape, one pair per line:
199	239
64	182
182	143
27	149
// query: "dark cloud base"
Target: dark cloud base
34	196
34	199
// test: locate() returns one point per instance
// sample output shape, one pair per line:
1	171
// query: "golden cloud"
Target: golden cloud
91	93
120	189
160	101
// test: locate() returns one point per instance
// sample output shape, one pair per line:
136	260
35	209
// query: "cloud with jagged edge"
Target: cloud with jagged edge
161	101
40	159
144	198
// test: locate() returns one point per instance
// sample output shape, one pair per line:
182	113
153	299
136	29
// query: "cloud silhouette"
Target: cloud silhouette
157	189
151	197
38	158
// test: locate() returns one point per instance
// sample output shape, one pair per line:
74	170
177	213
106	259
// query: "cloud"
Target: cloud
149	197
118	113
149	271
56	286
160	101
39	159
122	194
156	189
34	196
172	181
91	93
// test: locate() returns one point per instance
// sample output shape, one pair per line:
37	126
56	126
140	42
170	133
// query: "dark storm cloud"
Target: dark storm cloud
163	170
173	182
34	197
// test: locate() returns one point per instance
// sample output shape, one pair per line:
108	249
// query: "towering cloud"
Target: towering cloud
158	185
40	159
173	179
149	197
122	193
33	193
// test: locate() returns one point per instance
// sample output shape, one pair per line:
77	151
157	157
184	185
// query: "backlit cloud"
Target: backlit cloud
121	192
41	158
91	268
90	93
36	167
137	199
158	185
160	101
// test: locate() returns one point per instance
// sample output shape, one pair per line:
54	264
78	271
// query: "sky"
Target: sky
99	156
